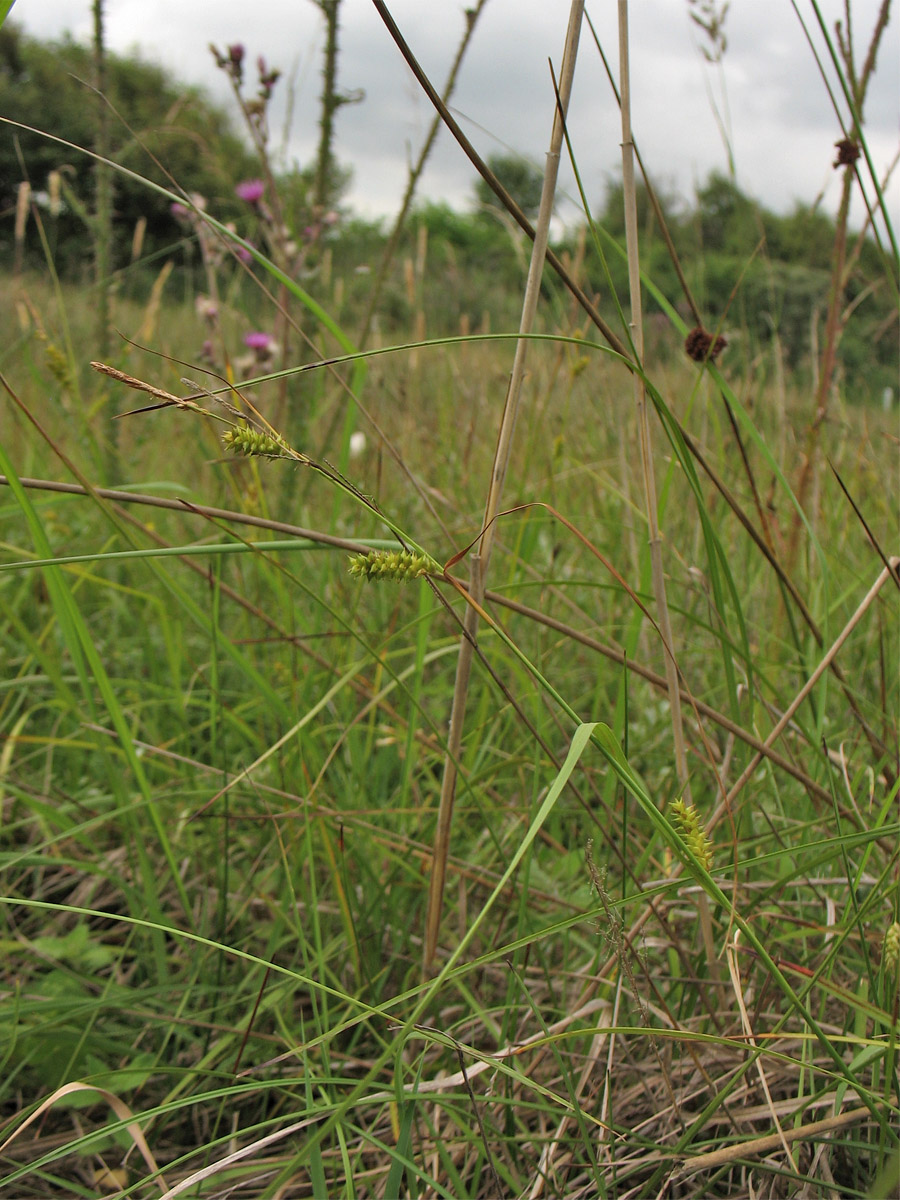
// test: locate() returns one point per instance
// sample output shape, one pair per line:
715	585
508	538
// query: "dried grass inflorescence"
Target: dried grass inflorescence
702	346
393	564
848	152
254	443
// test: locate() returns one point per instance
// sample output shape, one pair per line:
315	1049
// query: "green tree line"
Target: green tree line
760	276
160	129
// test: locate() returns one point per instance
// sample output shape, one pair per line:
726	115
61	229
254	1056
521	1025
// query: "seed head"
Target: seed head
892	947
702	346
253	443
392	564
687	819
848	152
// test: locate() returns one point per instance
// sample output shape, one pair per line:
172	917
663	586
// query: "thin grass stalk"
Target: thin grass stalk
299	533
640	399
891	571
855	94
651	193
102	231
23	202
495	185
415	172
479	562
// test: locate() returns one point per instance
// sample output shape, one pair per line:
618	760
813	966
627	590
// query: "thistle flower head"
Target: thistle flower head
231	61
206	308
250	190
267	78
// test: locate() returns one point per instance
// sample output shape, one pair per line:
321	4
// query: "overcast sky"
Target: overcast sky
768	93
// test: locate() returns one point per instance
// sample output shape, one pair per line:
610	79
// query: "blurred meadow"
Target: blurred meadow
449	719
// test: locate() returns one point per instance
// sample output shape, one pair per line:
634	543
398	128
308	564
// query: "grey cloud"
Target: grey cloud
783	124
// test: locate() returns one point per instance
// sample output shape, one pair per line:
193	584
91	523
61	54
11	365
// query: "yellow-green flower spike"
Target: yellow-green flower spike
59	365
688	821
252	442
892	946
392	564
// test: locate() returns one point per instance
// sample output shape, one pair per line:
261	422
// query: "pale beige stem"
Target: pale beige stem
755	1147
498	476
23	201
640	399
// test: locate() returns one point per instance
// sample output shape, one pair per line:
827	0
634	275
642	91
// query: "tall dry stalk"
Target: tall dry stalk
640	401
849	149
479	561
330	102
103	181
646	450
23	203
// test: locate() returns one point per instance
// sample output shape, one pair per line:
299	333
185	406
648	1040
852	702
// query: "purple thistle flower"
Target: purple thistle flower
251	190
258	340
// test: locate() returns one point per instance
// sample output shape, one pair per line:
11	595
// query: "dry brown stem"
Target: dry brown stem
479	562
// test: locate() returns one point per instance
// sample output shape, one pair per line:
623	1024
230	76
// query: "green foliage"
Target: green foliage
521	179
162	130
727	220
612	211
221	753
319	705
761	276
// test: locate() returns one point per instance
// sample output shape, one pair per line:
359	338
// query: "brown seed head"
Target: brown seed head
848	152
702	346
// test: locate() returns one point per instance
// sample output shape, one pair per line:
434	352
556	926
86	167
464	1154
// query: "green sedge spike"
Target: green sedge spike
393	564
892	946
688	821
251	442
